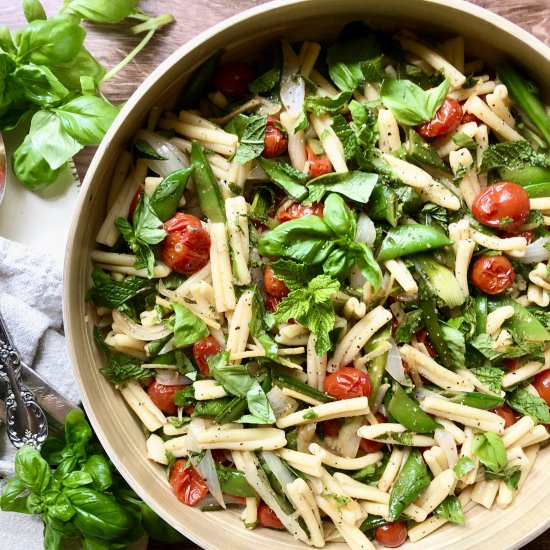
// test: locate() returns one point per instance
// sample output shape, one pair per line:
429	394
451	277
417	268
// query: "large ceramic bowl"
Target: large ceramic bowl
487	35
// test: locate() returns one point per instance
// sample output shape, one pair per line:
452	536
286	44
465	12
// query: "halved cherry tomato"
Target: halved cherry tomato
423	337
274	286
232	79
511	364
275	140
272	302
469	117
503	205
331	427
186	482
507	414
392	535
297	210
370	446
318	165
186	248
542	385
347	383
203	348
492	274
267	517
528	235
163	397
445	120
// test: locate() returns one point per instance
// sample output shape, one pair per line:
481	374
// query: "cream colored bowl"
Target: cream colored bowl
488	36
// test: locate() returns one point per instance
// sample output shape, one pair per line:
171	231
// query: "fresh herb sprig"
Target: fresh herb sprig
52	82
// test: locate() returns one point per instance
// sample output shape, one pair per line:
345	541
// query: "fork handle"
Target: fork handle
25	420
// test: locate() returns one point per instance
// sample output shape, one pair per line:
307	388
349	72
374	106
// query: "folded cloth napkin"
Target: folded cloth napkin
30	304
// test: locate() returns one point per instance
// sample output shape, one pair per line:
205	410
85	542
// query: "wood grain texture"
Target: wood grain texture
109	45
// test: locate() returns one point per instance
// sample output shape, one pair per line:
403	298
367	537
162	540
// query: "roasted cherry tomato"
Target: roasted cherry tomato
528	235
186	248
267	517
370	446
492	274
275	140
348	382
507	414
163	397
317	165
469	117
511	364
445	120
391	535
297	210
542	385
274	286
186	482
232	79
331	427
202	349
272	302
503	205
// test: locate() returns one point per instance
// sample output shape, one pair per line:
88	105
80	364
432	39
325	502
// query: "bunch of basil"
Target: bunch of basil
80	496
50	81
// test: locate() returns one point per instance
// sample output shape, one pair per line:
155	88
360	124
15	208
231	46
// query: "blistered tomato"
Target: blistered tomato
267	517
202	349
232	79
445	120
275	140
542	385
274	286
186	482
492	274
347	383
392	535
506	413
163	397
297	210
318	165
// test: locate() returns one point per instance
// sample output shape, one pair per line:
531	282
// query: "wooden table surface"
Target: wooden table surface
110	44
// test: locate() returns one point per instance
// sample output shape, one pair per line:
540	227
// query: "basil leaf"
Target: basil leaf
86	118
188	328
529	404
39	84
33	471
15	496
306	240
368	265
146	150
373	69
345	60
102	11
33	10
285	177
50	41
409	103
82	65
49	137
251	138
167	195
259	406
99	468
355	185
464	465
490	450
339	217
107	292
456	345
77	479
511	476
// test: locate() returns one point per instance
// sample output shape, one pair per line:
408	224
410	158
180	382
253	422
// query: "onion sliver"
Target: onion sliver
174	158
394	365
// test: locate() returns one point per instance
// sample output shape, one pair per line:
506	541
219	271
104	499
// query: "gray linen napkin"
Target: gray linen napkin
30	303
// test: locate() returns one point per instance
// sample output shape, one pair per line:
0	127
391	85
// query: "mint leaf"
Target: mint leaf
107	292
529	404
409	103
490	450
327	105
266	81
188	328
293	274
451	510
512	155
251	140
511	477
286	177
312	307
409	325
490	377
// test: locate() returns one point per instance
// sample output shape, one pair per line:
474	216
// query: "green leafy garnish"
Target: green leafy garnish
490	450
528	404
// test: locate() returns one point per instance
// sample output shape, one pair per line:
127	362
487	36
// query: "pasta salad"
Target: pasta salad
322	286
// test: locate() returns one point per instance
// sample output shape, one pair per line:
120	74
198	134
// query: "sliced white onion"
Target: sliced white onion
169	377
277	467
366	232
281	404
124	324
448	445
348	441
535	252
175	159
394	365
205	466
356	278
421	393
376	403
293	89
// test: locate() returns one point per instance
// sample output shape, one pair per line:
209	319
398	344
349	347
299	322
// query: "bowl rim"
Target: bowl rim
468	9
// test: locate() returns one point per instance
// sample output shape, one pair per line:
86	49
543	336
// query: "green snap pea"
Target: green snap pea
407	412
377	367
540	189
480	305
233	482
410	239
478	400
526	176
384	204
292	383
